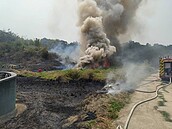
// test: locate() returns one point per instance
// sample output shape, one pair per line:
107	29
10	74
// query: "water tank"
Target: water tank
7	93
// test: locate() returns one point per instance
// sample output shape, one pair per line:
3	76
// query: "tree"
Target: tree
37	42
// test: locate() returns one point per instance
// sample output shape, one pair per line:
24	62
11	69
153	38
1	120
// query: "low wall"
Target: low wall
7	93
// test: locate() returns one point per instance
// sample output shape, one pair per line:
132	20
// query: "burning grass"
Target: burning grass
69	75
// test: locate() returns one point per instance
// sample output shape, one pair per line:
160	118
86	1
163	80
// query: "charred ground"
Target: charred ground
65	101
50	103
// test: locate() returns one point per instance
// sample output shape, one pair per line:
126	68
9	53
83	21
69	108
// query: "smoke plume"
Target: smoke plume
68	54
127	78
101	22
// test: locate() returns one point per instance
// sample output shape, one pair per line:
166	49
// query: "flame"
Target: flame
106	63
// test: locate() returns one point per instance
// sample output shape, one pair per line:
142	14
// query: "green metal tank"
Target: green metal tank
7	93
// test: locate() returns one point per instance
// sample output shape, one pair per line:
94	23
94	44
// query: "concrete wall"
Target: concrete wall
7	93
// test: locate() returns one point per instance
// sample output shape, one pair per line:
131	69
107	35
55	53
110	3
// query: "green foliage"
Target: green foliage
166	116
115	107
71	75
18	50
116	104
8	36
88	74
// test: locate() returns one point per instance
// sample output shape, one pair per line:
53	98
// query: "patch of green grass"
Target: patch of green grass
115	107
72	74
166	116
68	75
116	104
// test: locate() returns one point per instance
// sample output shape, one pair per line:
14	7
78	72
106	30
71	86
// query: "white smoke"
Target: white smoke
128	79
68	53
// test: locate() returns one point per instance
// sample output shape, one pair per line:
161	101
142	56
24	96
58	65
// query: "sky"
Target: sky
155	18
57	19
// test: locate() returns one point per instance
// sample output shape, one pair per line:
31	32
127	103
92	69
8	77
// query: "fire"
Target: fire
106	63
103	64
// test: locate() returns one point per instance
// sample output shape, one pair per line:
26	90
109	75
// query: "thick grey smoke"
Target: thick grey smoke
101	22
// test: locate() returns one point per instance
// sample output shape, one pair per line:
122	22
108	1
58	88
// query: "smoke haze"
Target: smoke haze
127	78
68	53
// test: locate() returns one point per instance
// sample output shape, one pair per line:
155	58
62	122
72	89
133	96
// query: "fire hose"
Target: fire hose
143	91
141	102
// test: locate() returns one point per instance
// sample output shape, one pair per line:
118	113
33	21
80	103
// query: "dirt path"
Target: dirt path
147	115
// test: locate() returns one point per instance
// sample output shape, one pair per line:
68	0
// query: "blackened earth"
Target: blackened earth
50	103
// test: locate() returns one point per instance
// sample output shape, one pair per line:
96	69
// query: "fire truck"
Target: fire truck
165	68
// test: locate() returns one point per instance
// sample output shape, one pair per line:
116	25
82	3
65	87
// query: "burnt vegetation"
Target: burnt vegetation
66	99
